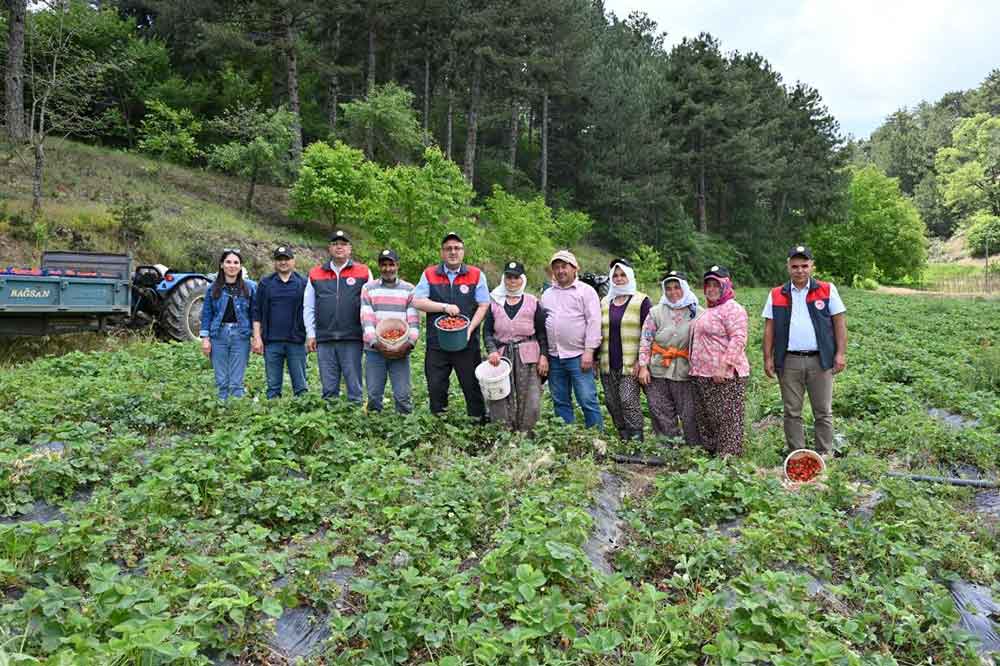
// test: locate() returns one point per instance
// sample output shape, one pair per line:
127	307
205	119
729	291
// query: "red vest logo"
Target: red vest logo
351	281
820	305
464	288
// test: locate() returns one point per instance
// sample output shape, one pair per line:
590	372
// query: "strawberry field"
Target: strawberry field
145	523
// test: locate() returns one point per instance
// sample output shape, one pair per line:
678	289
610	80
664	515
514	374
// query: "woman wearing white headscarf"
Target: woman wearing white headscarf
514	329
623	312
663	360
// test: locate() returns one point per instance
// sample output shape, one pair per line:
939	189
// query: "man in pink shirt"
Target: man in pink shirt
573	329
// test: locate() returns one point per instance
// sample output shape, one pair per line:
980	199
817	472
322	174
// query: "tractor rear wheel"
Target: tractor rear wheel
181	315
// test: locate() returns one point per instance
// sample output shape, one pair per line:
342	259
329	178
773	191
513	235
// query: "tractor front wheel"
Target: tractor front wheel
181	315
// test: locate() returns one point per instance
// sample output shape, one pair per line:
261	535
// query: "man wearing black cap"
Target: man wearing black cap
278	330
388	297
805	345
452	288
332	314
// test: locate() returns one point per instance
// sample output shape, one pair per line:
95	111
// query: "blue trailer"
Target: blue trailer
81	291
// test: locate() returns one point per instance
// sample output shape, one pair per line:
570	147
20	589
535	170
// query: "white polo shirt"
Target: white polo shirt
801	334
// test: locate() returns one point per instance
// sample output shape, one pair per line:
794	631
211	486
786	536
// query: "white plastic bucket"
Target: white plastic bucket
494	380
805	453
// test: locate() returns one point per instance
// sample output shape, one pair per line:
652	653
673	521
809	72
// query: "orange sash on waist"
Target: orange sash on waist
668	354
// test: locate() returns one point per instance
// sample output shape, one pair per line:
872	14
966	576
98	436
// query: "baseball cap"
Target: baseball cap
451	235
800	251
716	271
282	251
675	275
567	256
339	235
513	268
389	255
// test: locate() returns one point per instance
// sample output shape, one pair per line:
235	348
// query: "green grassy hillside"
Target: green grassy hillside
195	213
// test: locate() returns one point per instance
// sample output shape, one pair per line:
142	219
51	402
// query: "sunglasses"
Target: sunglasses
233	250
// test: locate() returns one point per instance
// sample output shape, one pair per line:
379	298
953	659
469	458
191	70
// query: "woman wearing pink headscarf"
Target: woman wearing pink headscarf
719	366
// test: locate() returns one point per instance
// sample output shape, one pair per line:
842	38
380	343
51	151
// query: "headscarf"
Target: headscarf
628	289
727	290
500	292
688	299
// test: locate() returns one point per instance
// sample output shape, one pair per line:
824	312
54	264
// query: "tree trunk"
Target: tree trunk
449	124
472	129
702	212
544	166
512	147
292	63
782	202
36	177
370	133
334	91
427	97
14	75
253	186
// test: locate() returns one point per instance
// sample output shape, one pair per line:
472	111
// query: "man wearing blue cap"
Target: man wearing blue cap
805	345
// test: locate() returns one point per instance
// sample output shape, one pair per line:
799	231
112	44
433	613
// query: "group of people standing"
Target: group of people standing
690	360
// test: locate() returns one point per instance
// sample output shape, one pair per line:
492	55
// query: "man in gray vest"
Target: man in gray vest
805	345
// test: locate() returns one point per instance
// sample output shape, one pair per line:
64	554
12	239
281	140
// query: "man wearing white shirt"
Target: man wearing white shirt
805	345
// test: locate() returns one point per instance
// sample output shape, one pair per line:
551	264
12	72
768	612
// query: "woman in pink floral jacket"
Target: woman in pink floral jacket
719	366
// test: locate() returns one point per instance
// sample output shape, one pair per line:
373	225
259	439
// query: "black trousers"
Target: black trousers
438	365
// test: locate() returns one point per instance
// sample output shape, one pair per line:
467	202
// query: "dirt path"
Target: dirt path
906	291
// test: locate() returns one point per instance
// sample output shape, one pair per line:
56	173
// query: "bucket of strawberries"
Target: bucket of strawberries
804	466
451	332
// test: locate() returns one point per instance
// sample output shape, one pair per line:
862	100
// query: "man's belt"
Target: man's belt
802	353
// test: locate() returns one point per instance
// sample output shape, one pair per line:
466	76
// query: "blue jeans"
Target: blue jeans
230	352
276	355
336	360
565	375
377	369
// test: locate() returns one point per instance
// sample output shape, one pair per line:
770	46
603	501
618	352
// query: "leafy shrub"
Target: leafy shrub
518	229
170	133
883	234
338	185
648	265
983	370
867	283
984	231
386	115
570	227
261	145
134	218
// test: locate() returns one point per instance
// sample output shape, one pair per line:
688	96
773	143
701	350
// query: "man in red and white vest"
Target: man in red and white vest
452	288
331	311
805	345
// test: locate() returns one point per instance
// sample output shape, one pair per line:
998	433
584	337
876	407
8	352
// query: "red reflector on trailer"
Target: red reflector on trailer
168	278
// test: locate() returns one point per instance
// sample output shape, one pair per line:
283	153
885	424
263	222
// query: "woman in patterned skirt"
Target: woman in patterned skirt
514	328
663	360
719	366
623	312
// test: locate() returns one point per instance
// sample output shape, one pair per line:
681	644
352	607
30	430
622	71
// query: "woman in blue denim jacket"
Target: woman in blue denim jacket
225	324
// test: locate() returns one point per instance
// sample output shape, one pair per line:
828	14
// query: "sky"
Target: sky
867	58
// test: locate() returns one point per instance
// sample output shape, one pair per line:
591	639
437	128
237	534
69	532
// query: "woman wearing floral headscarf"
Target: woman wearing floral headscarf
663	360
719	366
623	312
514	329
